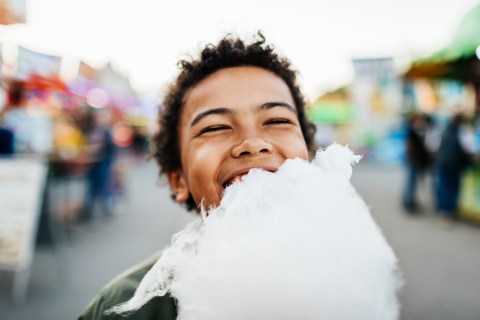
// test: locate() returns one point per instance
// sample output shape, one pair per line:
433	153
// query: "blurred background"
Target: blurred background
81	83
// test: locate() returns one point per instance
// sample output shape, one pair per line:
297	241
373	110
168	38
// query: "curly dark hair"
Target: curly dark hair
229	52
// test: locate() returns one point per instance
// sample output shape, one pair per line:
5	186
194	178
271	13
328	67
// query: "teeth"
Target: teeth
237	178
233	180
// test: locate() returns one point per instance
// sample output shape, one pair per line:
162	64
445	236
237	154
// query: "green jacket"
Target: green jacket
122	289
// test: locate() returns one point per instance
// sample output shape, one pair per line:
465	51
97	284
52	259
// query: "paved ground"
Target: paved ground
441	266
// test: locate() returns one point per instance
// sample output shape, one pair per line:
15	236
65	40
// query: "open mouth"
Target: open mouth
238	176
233	180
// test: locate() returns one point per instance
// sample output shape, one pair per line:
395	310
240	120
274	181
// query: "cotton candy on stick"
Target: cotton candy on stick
296	244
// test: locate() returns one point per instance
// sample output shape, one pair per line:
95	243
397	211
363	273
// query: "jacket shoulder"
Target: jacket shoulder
122	288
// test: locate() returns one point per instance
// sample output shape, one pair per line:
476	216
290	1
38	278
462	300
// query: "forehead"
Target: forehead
236	88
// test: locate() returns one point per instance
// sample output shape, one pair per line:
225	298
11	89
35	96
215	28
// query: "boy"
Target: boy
236	108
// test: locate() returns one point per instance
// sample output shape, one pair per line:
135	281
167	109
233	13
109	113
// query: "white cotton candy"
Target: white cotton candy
296	244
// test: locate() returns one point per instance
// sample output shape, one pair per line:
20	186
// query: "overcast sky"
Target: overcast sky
145	38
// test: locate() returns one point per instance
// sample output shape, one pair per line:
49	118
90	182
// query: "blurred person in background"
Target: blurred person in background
68	138
139	142
28	120
14	119
7	137
452	158
418	159
6	140
101	153
66	162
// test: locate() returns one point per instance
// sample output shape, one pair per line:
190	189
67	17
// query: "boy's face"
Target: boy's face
234	120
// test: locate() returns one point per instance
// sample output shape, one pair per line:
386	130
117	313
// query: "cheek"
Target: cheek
294	146
202	166
204	156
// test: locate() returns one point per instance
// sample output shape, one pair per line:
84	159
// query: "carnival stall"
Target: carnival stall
44	169
448	81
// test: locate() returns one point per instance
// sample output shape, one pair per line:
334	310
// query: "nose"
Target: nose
252	146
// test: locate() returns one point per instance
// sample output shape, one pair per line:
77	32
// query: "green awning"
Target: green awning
465	41
462	48
331	112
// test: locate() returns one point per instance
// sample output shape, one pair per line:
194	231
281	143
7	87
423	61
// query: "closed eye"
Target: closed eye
213	129
278	121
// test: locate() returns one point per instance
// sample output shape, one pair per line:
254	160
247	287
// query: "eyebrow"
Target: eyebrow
223	111
206	113
270	105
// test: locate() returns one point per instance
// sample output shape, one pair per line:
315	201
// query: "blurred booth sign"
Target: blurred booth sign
31	62
22	182
375	91
13	11
118	86
86	71
376	97
374	68
105	86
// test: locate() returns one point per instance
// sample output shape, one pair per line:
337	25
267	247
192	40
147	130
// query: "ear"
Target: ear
179	186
